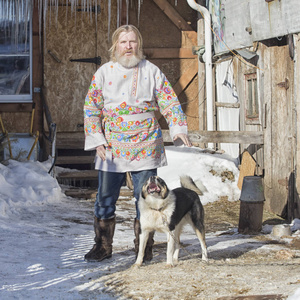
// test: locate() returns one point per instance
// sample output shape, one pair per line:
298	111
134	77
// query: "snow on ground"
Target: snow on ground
44	234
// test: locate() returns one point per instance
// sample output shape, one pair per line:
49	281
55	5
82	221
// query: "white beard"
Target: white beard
128	62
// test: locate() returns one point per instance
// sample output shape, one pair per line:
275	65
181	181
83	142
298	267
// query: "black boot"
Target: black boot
104	231
148	251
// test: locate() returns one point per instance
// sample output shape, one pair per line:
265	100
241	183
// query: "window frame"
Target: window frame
25	98
250	117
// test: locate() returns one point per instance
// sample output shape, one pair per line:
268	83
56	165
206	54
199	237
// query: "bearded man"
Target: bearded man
120	124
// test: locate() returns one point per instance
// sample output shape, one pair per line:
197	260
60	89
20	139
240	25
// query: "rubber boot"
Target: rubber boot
148	251
104	231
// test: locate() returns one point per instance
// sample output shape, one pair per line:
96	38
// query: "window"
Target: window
15	51
252	106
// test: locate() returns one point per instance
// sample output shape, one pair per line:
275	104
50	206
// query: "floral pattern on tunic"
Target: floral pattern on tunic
126	127
139	139
93	109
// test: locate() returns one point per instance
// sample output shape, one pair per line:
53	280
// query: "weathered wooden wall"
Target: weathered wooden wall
241	69
275	77
66	83
279	125
247	21
295	203
167	44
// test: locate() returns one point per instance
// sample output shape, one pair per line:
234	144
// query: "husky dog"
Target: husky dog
168	211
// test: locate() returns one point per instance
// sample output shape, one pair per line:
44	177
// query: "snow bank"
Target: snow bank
204	168
26	184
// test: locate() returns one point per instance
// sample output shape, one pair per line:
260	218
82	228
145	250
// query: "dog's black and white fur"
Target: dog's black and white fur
168	211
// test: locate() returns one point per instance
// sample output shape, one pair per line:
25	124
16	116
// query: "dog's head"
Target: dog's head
155	186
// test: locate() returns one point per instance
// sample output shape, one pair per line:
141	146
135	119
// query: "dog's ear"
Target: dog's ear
164	192
144	192
163	187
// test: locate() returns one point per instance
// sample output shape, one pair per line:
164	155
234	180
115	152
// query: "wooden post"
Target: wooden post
297	104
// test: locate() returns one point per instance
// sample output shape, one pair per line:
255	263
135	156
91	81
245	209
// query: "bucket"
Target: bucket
251	205
281	230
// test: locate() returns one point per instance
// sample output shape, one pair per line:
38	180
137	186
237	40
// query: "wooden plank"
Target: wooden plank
82	174
279	159
247	168
80	193
192	35
67	160
152	53
15	107
186	78
227	105
267	56
240	137
173	15
69	140
69	144
297	100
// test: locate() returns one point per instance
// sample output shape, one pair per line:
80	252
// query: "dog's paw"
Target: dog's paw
168	266
136	266
204	258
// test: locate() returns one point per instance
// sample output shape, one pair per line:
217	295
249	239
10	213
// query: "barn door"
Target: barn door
70	59
169	30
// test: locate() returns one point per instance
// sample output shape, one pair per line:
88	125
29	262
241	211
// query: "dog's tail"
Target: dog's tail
188	183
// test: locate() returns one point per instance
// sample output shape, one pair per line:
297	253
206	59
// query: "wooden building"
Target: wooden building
255	68
257	42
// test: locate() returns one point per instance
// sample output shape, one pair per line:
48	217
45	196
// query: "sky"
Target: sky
45	234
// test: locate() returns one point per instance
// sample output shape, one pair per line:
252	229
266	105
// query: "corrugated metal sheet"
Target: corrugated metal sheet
243	22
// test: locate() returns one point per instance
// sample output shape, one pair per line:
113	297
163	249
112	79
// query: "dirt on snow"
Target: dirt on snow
256	266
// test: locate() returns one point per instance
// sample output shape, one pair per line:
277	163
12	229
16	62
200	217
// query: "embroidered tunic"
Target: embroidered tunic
119	110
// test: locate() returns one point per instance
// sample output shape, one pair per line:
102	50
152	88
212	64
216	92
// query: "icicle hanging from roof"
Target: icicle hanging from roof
139	11
12	10
15	16
118	12
109	18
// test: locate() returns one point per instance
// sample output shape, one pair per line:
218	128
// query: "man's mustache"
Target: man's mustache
128	51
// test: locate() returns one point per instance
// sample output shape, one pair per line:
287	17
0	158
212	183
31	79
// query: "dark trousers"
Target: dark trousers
109	185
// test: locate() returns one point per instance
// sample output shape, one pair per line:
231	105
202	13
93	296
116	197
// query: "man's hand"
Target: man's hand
101	151
185	139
